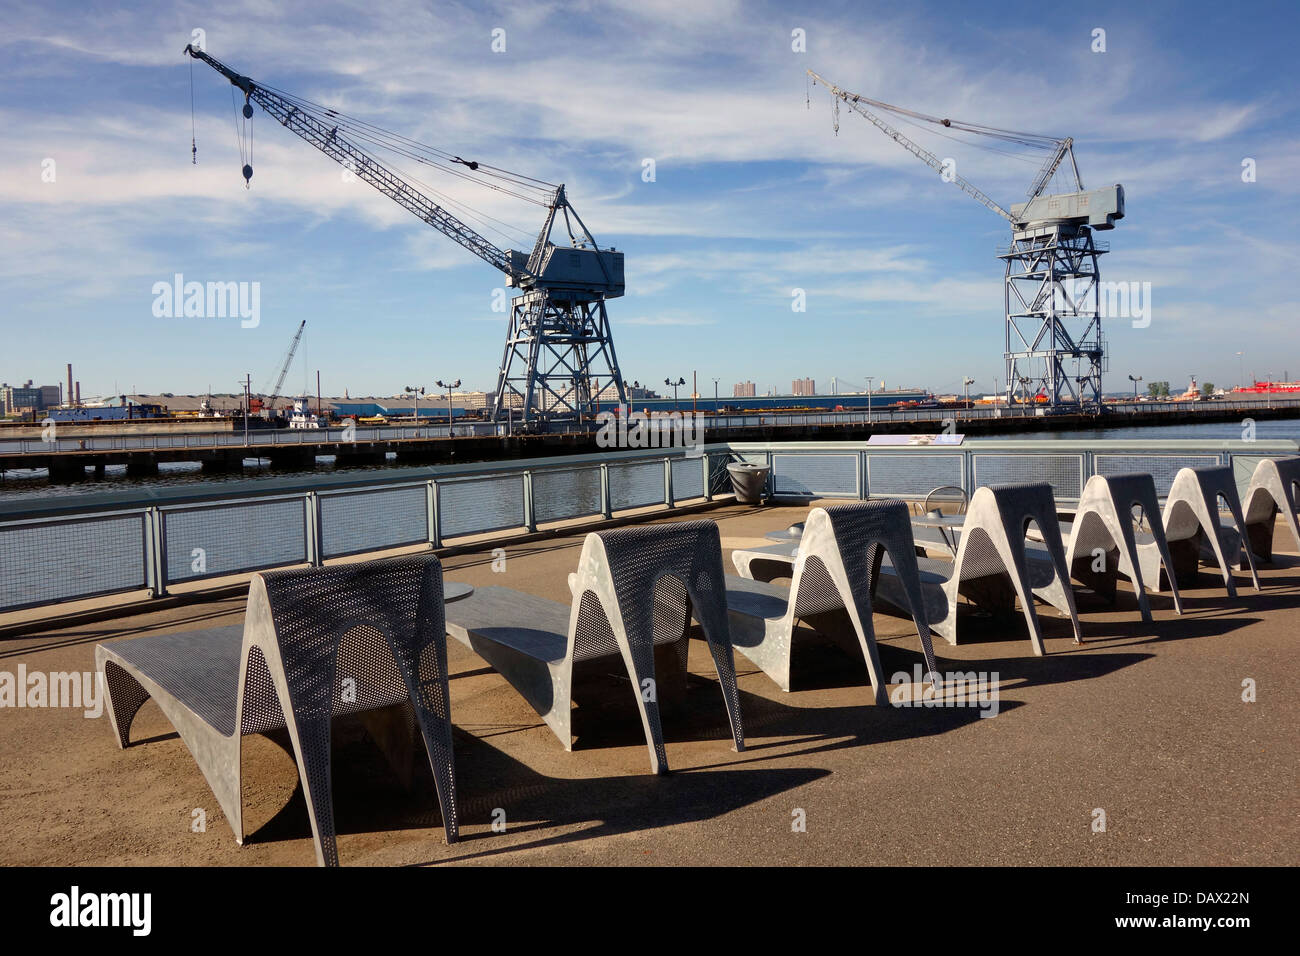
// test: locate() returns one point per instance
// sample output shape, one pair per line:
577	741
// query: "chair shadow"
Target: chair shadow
201	618
368	797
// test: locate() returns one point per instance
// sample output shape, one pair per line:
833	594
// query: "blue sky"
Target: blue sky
754	194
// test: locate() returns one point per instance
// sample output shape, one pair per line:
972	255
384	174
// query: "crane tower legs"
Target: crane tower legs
1054	342
559	359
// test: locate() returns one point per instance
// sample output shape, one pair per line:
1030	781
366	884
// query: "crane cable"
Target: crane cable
1036	140
401	143
194	145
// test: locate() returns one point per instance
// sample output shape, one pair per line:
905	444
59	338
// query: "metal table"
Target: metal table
454	591
792	533
949	527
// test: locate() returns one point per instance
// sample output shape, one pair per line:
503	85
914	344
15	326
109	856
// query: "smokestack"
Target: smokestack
78	394
69	399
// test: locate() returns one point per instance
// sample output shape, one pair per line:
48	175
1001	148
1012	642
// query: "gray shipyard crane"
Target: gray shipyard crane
284	366
559	357
1052	285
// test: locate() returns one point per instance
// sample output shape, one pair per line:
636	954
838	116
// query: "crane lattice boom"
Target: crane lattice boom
366	167
559	330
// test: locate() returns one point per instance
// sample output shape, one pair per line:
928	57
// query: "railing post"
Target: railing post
434	515
311	514
863	491
432	518
530	519
708	485
606	505
668	484
155	553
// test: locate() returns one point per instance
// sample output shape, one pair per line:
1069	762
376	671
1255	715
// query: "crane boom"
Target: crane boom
854	102
1063	146
559	333
288	360
366	167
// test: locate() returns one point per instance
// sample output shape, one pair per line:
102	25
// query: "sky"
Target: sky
753	196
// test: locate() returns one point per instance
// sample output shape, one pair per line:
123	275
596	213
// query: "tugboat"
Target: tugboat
1193	393
302	416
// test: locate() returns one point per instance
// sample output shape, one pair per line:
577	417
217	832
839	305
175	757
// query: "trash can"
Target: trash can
748	480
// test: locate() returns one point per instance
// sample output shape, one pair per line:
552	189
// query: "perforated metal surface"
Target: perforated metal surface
639	559
373	520
911	476
1063	472
1162	468
204	542
560	494
829	476
635	486
688	479
199	668
55	561
479	505
337	640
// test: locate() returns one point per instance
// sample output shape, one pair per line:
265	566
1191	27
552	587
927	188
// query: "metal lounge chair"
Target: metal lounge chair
839	557
993	566
1273	488
1192	529
635	591
315	643
1103	527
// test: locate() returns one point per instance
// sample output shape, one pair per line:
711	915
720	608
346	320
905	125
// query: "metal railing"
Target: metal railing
69	548
61	549
264	439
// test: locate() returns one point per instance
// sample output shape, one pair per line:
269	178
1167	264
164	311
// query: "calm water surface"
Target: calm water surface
36	484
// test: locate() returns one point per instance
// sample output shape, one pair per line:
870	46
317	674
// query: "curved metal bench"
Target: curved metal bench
1273	488
1103	526
837	564
994	567
1193	531
635	588
316	642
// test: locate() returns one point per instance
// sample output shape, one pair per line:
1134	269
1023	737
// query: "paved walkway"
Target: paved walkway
1145	723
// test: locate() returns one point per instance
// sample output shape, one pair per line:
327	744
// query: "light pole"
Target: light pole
417	392
870	419
967	382
680	381
1241	373
248	401
715	397
448	386
1135	379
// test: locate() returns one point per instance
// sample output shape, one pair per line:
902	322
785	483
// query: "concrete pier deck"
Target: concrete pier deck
1146	723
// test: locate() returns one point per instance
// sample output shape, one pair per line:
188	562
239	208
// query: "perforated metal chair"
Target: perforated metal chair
635	589
993	566
1273	487
1192	528
1103	529
838	560
315	643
